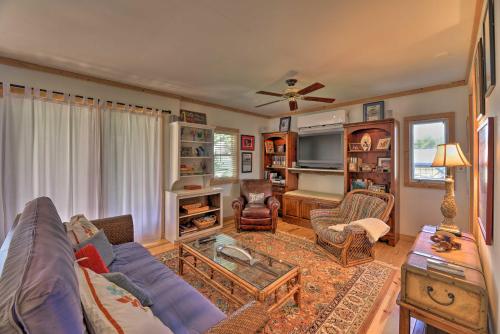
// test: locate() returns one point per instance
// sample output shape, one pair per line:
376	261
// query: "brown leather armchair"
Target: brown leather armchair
256	216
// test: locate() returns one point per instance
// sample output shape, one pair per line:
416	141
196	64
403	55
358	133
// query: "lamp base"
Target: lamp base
449	209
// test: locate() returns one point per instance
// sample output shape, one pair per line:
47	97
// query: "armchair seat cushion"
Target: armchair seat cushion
321	228
256	211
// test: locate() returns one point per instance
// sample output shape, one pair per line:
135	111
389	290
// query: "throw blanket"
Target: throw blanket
374	227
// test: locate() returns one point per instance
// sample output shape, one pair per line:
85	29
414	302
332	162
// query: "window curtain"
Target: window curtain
131	169
51	149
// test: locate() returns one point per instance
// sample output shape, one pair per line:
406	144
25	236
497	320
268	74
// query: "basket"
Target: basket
205	222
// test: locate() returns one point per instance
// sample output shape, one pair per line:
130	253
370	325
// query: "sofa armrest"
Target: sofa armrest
250	318
238	203
118	230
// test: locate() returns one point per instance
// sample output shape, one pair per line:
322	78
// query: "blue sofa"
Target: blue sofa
39	288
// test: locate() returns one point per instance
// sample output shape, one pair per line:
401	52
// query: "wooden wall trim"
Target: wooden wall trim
378	98
473	38
74	75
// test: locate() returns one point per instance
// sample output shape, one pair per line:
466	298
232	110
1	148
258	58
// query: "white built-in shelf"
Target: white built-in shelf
185	215
316	170
194	175
196	157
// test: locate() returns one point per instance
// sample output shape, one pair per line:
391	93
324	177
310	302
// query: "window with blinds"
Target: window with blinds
225	155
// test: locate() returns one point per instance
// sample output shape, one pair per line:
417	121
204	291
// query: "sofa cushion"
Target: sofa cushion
256	211
180	306
126	283
103	246
4	250
111	309
39	287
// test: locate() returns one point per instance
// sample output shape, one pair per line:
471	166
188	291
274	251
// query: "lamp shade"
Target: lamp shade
450	155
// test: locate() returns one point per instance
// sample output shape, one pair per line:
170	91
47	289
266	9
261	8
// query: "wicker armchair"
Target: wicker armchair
250	318
351	246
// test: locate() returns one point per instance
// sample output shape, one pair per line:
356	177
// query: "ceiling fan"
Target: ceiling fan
292	94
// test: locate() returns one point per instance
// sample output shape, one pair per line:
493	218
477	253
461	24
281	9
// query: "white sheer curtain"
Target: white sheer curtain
131	169
48	149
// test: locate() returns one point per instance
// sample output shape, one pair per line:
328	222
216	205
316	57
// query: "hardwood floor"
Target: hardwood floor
386	319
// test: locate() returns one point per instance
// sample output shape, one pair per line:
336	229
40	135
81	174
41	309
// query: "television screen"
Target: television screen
321	150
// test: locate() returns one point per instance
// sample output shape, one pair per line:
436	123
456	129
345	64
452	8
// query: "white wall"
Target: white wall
412	200
248	125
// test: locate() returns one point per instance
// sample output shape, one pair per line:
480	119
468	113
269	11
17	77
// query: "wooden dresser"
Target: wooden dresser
448	302
298	204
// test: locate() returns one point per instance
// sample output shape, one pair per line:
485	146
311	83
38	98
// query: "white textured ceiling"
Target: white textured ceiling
223	51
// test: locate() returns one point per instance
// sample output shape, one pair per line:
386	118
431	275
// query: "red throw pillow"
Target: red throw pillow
93	259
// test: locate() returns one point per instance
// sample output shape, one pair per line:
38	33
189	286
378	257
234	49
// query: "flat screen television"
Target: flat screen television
321	149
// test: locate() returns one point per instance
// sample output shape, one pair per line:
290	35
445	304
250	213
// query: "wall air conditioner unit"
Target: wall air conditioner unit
323	121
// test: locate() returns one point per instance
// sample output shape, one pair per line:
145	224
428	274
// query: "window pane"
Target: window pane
225	155
425	138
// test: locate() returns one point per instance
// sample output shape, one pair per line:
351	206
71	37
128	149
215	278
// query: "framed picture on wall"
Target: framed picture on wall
193	117
246	162
486	169
373	111
489	49
479	80
247	143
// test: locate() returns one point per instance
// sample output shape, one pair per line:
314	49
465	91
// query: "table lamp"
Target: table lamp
449	155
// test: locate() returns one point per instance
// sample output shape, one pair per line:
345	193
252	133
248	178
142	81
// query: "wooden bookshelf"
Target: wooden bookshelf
280	161
387	178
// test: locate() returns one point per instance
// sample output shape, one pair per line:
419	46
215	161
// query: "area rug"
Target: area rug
334	299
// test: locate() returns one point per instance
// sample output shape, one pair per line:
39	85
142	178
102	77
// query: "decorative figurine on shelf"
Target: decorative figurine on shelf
366	142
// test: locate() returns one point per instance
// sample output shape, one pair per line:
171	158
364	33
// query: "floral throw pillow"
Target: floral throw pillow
256	198
80	229
111	309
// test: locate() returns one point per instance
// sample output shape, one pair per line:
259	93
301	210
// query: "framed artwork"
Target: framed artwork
247	143
485	168
246	162
269	146
193	117
384	163
479	80
373	111
355	147
285	123
384	143
489	49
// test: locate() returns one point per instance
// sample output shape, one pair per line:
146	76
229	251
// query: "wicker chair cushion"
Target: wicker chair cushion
322	230
360	206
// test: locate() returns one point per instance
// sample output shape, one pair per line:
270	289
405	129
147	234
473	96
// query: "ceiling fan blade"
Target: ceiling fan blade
269	93
311	88
293	105
318	99
265	104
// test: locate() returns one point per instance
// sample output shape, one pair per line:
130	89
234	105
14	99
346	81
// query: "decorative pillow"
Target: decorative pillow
126	283
111	309
90	258
103	246
256	198
79	229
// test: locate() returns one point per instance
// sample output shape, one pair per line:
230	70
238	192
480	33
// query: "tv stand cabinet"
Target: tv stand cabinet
297	205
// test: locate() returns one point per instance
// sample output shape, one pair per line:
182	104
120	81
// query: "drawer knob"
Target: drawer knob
451	296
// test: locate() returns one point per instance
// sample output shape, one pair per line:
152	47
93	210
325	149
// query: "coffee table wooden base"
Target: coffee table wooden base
291	280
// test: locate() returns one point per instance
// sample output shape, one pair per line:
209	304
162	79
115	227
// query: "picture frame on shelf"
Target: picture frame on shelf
356	147
359	184
384	163
479	80
269	146
366	142
380	188
373	111
285	123
486	170
488	37
384	143
246	162
192	117
247	143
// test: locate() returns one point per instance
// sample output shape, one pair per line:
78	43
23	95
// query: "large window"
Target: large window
423	134
225	155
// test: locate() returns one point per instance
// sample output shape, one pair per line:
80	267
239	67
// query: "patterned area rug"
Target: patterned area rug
334	299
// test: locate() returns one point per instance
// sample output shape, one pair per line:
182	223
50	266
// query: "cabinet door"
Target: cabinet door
324	205
306	207
292	207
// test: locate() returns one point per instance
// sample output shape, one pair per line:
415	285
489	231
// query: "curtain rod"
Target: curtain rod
90	98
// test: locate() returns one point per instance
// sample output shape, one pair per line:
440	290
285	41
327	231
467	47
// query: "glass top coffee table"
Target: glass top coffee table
267	279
